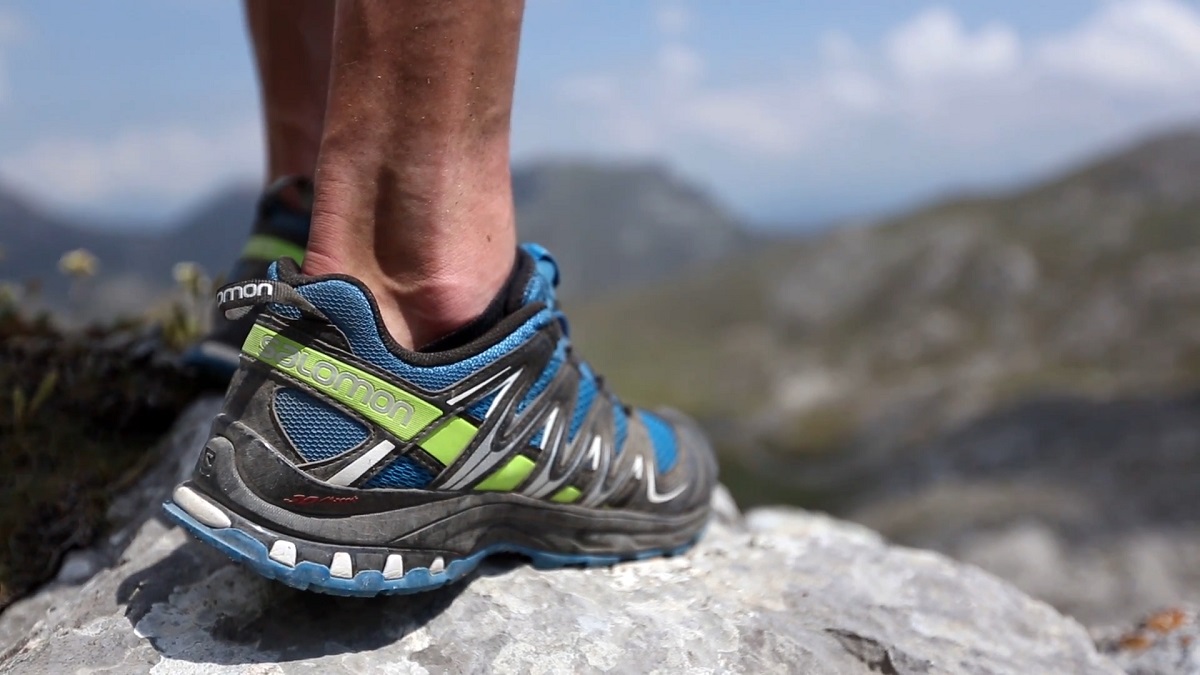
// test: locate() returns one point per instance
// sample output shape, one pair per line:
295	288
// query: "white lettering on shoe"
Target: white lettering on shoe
327	374
250	289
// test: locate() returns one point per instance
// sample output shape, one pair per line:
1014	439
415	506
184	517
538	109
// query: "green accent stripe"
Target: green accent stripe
268	248
449	441
392	408
508	476
567	495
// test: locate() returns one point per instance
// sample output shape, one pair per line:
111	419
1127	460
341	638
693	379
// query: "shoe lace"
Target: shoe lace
548	270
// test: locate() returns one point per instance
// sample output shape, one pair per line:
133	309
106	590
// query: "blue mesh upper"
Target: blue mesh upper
316	429
663	438
402	473
583	403
282	310
479	409
347	307
548	373
620	425
541	285
285	311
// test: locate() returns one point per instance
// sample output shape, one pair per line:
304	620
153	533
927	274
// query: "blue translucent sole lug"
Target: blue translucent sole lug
310	576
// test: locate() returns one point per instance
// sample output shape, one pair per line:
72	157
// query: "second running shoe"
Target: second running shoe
346	464
280	230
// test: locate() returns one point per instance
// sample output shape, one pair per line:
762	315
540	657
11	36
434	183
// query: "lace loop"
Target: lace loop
238	299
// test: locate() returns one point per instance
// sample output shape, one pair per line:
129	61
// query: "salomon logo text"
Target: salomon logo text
252	289
344	384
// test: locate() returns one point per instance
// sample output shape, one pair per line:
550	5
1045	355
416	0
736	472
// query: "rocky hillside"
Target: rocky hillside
617	226
611	225
887	334
1009	379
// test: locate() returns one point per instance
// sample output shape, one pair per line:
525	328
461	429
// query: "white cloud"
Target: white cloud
1149	44
935	44
591	89
679	64
837	48
673	19
933	100
163	165
749	119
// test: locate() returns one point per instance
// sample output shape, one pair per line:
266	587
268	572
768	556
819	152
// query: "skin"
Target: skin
293	45
413	190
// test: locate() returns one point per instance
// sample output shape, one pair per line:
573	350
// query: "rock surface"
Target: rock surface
778	591
176	457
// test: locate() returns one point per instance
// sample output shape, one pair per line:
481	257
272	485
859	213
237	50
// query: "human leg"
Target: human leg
413	190
347	463
293	42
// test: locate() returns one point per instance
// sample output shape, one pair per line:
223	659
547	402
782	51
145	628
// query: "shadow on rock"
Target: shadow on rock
195	605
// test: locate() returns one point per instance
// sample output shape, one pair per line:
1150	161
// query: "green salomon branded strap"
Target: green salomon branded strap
449	440
398	411
508	476
269	249
567	495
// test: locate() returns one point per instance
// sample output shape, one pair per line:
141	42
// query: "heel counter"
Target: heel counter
248	405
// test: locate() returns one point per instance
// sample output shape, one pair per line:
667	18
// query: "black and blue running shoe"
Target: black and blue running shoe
280	231
346	464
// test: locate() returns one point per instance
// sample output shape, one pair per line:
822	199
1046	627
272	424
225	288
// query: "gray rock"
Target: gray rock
127	513
780	591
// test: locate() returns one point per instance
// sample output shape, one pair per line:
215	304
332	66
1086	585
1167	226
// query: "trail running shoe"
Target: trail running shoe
280	230
346	464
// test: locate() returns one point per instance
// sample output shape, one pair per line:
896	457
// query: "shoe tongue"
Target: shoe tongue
543	275
283	269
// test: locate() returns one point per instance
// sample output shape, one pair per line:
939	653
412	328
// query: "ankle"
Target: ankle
423	293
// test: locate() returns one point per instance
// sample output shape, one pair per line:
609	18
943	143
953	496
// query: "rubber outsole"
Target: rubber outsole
311	576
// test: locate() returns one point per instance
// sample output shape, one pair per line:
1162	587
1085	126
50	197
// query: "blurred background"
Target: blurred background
934	267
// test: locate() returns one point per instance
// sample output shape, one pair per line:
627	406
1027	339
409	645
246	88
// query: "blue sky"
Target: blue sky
790	111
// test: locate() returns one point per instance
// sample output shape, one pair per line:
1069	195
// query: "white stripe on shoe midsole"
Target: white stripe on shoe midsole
363	464
200	508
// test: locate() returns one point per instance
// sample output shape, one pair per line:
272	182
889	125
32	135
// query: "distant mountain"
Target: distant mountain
864	342
134	267
609	225
612	225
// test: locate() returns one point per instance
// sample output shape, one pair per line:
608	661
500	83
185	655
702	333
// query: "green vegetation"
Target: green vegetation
78	410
